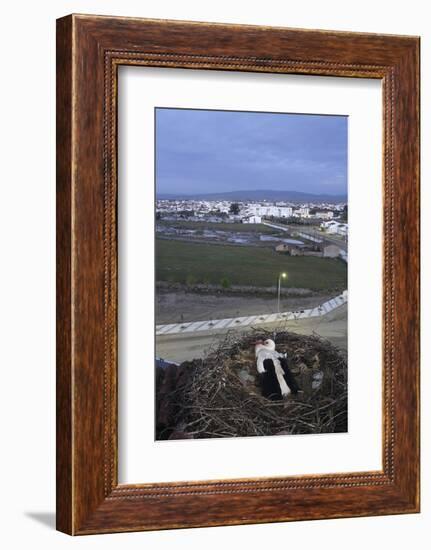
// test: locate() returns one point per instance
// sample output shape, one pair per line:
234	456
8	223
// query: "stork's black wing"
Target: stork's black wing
288	376
269	383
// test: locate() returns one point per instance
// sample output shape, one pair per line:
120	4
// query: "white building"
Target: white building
326	215
252	219
221	206
343	229
269	210
303	212
334	227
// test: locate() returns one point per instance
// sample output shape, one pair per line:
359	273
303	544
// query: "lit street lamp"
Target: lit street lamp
281	276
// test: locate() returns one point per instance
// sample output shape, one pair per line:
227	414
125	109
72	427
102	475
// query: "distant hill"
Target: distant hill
257	195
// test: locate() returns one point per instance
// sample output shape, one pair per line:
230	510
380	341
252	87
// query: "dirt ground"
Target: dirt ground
182	307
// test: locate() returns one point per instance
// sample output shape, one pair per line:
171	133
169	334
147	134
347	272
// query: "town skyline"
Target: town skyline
268	195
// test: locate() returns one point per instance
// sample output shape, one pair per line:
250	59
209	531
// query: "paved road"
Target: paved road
339	241
183	347
327	237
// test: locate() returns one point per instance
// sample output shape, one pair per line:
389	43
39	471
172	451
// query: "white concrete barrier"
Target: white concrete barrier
252	320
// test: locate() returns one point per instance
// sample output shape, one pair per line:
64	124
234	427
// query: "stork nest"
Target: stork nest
220	396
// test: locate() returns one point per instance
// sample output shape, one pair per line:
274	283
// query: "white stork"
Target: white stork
276	379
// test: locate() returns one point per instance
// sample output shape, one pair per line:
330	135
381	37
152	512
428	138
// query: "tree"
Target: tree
234	208
191	280
186	213
225	283
344	214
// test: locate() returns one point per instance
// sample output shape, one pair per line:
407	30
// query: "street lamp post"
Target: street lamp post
281	276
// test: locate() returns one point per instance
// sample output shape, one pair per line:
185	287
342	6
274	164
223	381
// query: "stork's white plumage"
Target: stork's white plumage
265	351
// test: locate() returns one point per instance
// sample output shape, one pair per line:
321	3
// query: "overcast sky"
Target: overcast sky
213	151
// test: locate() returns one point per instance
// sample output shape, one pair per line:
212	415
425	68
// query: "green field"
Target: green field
237	227
191	263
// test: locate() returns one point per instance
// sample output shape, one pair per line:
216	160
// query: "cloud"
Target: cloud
223	150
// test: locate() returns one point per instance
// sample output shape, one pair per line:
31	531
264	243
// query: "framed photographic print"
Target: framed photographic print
237	274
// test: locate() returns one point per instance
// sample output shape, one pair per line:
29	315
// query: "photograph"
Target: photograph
251	262
211	302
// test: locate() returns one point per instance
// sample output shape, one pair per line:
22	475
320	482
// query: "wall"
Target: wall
27	219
